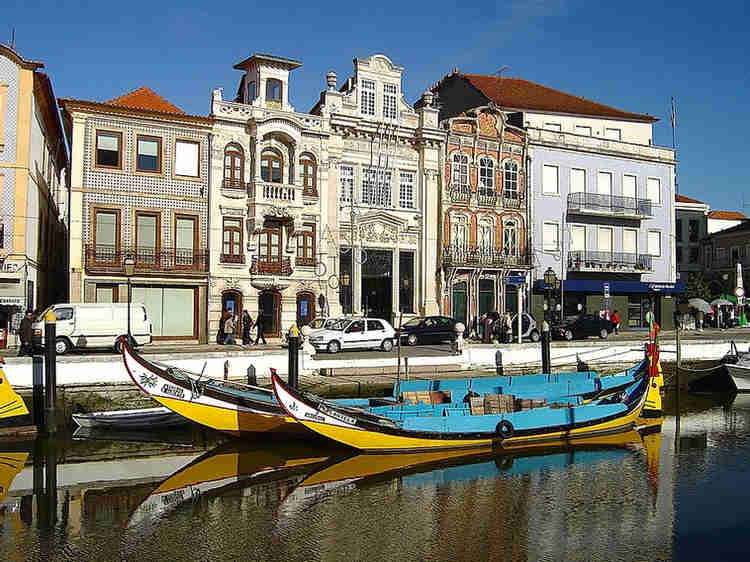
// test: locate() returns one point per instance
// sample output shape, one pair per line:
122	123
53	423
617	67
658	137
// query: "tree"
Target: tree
697	287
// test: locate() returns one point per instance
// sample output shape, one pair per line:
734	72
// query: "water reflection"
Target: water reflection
627	497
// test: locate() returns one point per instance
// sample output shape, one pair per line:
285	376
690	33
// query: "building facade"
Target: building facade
33	187
691	227
724	254
139	189
722	220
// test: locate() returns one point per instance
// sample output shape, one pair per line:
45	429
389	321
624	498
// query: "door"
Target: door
305	309
459	302
604	183
375	333
232	301
270	303
354	335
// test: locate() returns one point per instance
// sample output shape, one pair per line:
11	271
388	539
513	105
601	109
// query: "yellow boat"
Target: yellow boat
10	465
11	405
424	428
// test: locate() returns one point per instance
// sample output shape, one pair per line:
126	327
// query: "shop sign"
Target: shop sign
11	301
606	290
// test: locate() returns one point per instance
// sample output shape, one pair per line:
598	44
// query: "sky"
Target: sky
631	55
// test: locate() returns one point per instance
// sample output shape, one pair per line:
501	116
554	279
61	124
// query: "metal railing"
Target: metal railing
486	197
611	261
480	256
232	258
609	204
165	260
460	193
263	266
233	183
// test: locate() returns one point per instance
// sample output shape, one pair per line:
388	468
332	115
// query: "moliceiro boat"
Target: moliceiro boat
13	410
423	427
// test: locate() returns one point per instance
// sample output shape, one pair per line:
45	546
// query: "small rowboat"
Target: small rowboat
244	410
143	418
452	426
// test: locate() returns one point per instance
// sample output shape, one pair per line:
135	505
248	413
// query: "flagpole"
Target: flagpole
673	119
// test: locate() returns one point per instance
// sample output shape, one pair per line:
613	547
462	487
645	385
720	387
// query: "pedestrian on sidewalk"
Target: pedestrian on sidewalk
229	327
25	331
616	321
247	324
259	326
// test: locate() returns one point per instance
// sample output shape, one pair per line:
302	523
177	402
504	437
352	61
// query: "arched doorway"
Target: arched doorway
269	302
305	308
232	300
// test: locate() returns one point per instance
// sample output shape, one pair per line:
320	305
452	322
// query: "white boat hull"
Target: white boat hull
153	418
740	374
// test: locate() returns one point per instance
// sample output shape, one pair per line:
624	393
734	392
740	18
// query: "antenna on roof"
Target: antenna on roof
13	38
503	68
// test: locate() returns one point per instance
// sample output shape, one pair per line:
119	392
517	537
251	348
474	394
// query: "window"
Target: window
406	281
374	326
270	166
629	188
486	175
67	313
510	181
232	239
630	241
583	130
186	156
234	164
460	171
376	187
250	91
308	171
707	256
273	92
106	234
604	239
613	134
550	237
578	238
653	190
406	190
654	243
550	185
577	180
347	184
553	127
679	254
694	254
693	230
367	97
486	234
104	293
678	230
108	149
185	237
306	245
459	231
269	244
148	158
389	101
604	183
510	238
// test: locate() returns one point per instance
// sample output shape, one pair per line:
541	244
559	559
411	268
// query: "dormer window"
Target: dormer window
250	91
367	97
389	101
273	92
270	166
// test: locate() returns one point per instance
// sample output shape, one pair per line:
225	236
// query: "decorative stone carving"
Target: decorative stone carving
232	283
268	284
462	128
379	232
487	125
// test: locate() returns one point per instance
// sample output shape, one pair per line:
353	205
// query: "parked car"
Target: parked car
94	325
355	333
430	329
528	327
315	325
583	326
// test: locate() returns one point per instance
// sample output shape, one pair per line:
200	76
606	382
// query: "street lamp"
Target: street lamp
129	264
550	282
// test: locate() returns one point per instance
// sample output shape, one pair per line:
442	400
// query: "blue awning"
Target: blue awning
615	287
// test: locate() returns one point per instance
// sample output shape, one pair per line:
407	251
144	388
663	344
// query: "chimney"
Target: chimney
331	78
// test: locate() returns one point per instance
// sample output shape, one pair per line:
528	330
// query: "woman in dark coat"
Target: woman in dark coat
247	323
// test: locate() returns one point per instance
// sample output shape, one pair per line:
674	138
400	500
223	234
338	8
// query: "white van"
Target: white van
94	325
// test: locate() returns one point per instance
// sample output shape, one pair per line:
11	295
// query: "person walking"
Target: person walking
25	332
247	324
220	332
616	321
229	327
259	326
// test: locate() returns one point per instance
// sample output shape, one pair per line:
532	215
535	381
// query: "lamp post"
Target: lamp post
129	264
550	282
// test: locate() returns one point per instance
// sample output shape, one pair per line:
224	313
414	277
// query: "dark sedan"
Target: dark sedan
582	327
431	329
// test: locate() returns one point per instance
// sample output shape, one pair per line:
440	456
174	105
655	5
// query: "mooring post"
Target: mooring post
545	348
37	396
252	380
406	368
499	363
226	370
293	356
50	373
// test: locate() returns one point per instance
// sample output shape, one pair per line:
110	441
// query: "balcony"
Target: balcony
263	266
478	256
460	194
619	262
231	183
486	197
232	258
609	205
277	193
101	259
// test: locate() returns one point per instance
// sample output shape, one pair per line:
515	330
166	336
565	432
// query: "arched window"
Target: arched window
234	165
308	171
460	170
510	180
486	234
510	238
459	231
273	91
271	165
486	175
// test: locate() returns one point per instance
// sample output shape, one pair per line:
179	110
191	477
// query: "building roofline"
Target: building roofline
290	64
12	54
70	104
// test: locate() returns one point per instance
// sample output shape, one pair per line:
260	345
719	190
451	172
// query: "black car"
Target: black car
583	326
431	329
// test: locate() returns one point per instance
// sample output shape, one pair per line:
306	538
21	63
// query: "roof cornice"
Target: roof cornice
71	104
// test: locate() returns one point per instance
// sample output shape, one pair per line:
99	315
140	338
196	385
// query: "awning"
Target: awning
615	287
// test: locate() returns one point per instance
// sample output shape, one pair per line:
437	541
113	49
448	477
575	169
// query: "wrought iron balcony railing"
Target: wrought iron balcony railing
586	260
232	258
615	205
460	193
232	183
480	256
486	197
263	266
164	261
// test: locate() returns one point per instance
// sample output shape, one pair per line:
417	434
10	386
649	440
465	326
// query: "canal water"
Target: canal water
679	492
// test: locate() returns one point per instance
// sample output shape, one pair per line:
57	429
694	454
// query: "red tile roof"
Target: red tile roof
683	199
523	94
727	215
145	98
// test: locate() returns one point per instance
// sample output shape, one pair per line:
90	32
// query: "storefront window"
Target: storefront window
345	280
406	281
